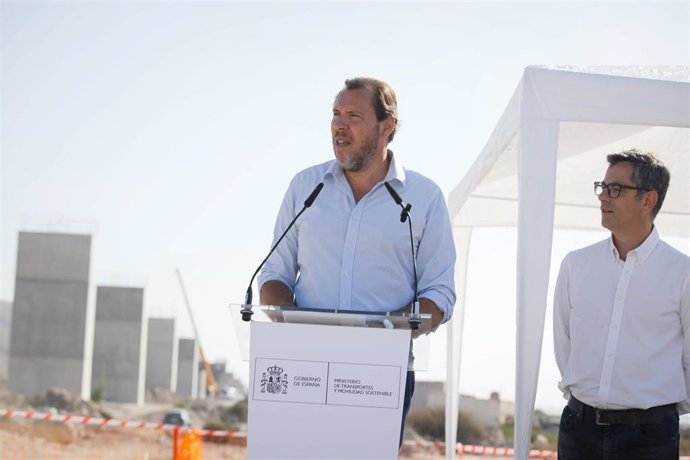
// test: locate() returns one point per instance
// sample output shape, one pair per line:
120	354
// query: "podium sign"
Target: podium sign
325	392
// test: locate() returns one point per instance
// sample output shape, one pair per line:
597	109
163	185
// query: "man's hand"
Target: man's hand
276	293
429	307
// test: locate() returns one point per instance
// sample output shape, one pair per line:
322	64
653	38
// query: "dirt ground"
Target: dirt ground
24	439
34	439
41	441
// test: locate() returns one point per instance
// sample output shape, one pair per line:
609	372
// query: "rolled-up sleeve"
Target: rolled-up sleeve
282	264
436	258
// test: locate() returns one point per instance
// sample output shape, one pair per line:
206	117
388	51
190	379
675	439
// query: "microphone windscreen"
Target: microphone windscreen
393	193
310	200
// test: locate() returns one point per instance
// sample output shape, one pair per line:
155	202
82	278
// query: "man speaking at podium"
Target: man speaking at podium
349	251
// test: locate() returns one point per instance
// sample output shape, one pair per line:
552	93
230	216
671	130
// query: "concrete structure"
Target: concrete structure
228	386
201	389
488	413
119	349
5	324
429	394
161	354
53	315
188	369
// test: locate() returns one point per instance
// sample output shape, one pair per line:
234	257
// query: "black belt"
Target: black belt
622	417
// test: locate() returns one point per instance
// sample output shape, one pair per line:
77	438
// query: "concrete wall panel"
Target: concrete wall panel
161	354
5	325
35	375
201	388
188	368
49	319
118	343
53	256
52	315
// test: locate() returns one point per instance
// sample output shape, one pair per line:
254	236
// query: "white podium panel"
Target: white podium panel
325	392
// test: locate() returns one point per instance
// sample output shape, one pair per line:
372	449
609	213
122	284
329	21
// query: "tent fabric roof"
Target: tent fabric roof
679	73
487	194
537	170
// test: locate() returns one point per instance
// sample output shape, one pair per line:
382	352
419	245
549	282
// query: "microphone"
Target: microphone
415	318
310	199
247	307
405	213
393	193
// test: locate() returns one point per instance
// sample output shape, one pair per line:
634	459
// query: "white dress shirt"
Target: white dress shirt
357	256
622	328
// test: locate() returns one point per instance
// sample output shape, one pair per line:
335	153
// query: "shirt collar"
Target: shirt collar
334	170
642	251
395	170
612	249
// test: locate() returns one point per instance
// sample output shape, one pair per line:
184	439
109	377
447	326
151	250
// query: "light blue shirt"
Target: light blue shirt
357	256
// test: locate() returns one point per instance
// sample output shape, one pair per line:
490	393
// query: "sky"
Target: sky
170	131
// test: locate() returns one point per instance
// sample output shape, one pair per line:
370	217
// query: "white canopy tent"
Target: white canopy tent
536	172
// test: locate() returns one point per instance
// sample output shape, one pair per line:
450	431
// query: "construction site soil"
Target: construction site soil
218	413
24	438
66	441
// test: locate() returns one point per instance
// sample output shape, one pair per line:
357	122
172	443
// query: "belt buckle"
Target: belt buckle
597	418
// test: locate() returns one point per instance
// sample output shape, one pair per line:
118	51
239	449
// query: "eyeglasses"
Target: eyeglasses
613	190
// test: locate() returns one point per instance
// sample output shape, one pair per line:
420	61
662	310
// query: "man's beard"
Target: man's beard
358	160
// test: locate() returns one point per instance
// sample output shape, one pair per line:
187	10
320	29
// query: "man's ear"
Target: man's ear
389	125
650	200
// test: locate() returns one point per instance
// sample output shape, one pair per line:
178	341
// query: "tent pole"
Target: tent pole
462	237
537	161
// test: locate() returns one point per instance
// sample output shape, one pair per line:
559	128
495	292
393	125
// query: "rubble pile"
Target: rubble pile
12	401
161	396
67	403
222	413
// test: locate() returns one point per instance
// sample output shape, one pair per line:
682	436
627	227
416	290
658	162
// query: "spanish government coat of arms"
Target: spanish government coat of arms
274	380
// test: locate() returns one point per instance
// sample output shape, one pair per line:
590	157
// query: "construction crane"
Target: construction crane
211	387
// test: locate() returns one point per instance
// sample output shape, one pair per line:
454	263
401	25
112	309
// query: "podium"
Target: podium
325	384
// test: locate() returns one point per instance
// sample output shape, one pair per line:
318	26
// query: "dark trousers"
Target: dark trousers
409	391
581	438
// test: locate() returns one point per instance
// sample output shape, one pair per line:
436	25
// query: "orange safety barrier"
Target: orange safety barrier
187	445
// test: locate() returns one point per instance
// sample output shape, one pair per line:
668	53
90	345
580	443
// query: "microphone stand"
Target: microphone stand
415	316
247	306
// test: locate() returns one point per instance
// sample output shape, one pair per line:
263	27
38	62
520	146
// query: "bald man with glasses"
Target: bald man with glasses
622	325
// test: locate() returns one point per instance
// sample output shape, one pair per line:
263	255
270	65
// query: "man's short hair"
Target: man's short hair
385	102
648	173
